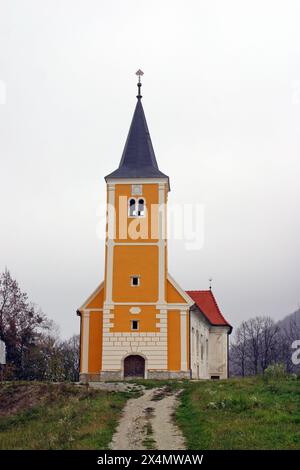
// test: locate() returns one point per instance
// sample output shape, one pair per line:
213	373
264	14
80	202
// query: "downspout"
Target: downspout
190	346
227	355
228	333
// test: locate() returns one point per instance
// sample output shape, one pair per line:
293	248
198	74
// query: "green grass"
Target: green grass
245	413
149	442
173	384
249	413
69	417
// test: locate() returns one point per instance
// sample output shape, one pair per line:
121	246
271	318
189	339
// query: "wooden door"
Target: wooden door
134	366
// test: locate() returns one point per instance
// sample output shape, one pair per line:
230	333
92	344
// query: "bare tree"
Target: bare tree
253	330
255	346
34	348
268	343
20	323
71	350
238	352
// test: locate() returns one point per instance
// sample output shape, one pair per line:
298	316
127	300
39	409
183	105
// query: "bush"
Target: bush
239	403
275	372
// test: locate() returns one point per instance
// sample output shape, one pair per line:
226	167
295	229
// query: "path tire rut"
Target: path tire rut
147	422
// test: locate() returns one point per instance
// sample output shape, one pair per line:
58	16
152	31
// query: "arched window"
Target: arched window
193	340
141	208
136	207
131	208
197	342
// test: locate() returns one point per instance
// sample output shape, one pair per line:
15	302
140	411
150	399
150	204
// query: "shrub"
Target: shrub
275	371
239	403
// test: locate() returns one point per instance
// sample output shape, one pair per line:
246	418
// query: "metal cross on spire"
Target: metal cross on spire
139	73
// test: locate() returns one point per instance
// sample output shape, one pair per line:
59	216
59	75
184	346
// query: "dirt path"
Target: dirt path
147	422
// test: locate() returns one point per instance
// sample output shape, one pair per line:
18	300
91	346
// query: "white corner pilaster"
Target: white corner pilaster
85	342
111	228
162	321
161	242
183	340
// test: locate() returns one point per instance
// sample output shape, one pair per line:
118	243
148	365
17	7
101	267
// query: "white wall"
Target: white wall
218	356
214	358
199	362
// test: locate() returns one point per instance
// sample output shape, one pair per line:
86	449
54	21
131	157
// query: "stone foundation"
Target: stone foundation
102	376
168	374
86	378
108	375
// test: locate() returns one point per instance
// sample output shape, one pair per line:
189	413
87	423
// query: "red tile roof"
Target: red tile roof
206	302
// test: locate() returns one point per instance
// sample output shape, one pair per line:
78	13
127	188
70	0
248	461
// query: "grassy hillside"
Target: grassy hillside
249	413
245	413
57	416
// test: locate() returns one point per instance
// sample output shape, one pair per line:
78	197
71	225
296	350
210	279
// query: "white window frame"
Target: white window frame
138	278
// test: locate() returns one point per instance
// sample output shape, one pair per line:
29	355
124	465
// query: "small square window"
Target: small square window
135	281
134	324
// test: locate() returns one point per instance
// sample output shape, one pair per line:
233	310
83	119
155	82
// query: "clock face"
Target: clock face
137	189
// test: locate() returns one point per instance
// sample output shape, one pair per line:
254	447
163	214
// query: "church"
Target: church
140	322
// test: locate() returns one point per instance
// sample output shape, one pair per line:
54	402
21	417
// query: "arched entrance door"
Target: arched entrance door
134	366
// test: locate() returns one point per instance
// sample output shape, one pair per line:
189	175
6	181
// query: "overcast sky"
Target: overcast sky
221	93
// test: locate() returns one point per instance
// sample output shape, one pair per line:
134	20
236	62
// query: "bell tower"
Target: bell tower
136	323
136	251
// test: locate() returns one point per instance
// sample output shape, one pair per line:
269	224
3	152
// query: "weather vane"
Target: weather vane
139	73
210	281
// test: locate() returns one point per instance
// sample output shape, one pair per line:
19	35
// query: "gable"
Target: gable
175	294
207	304
95	300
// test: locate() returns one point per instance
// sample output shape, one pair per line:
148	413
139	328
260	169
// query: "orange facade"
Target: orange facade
122	323
131	229
174	340
95	338
146	318
136	260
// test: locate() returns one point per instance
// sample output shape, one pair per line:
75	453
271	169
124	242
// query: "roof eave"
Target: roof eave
219	325
120	179
230	328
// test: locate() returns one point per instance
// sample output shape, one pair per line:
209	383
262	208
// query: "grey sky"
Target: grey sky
222	99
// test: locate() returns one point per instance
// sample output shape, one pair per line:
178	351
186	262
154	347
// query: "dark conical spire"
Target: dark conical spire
138	158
